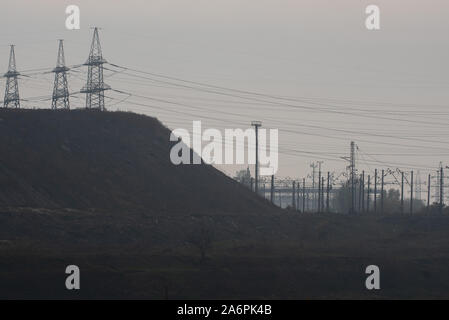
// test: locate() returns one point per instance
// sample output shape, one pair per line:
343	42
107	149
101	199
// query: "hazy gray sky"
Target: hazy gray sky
346	81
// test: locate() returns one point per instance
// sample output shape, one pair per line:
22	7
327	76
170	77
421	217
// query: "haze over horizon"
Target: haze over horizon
386	90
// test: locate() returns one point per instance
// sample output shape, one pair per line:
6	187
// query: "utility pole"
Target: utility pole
328	191
272	189
437	189
402	192
375	191
60	99
308	199
303	195
313	166
12	98
280	198
363	190
352	168
322	194
368	194
293	196
319	191
428	191
382	193
95	86
320	187
441	189
256	125
411	192
360	194
297	195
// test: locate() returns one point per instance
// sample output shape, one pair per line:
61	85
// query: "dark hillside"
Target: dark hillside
109	161
98	190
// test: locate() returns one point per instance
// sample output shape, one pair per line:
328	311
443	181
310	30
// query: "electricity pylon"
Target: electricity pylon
61	94
95	86
12	85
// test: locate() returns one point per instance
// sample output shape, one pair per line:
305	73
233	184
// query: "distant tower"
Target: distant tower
95	86
12	86
60	98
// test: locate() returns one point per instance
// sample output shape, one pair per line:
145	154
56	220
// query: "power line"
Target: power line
245	92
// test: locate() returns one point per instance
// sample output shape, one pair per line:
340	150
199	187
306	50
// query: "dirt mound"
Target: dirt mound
107	160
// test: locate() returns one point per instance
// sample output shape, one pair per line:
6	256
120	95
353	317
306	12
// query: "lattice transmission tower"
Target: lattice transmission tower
12	86
95	86
61	94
